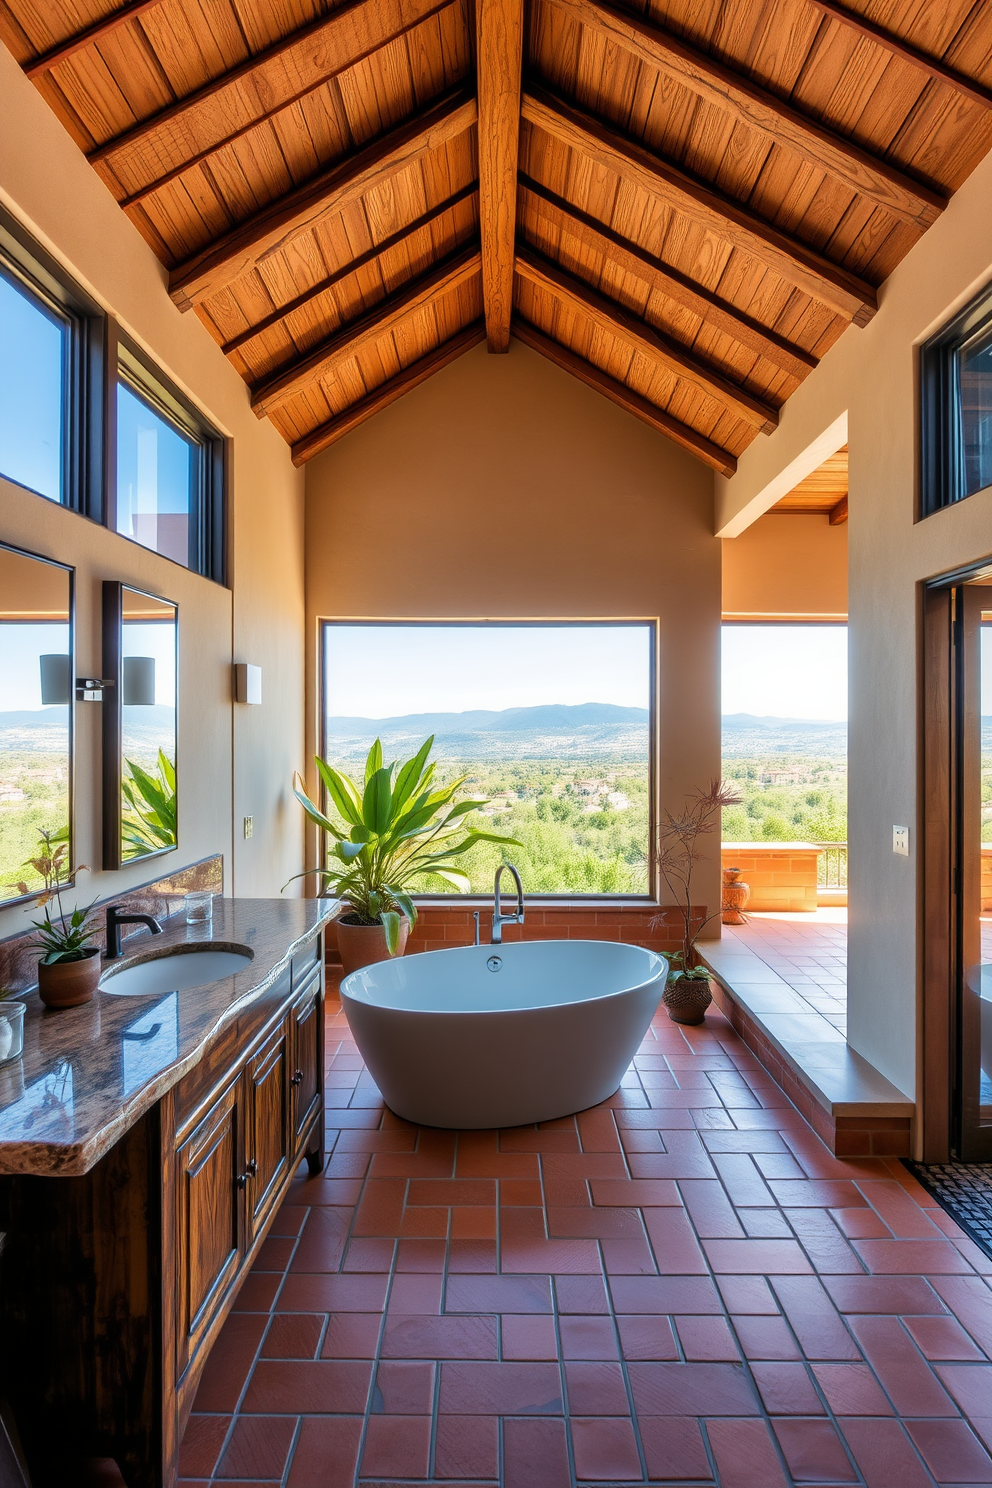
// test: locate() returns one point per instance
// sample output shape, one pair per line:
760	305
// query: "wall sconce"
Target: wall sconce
247	682
56	680
138	681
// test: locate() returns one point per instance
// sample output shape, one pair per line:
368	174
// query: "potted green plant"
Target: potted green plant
394	831
70	965
687	993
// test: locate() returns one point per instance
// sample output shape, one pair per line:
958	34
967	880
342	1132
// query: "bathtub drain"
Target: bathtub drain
494	963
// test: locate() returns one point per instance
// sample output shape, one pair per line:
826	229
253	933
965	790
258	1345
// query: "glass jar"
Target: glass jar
11	1029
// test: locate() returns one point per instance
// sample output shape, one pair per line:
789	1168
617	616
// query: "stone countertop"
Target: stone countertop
89	1073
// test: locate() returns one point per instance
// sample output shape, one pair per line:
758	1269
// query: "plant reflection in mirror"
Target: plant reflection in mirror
393	831
149	819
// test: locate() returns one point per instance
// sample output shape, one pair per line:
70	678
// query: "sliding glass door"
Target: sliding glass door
973	625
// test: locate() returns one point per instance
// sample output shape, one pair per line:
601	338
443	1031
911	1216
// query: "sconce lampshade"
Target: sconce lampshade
138	682
56	680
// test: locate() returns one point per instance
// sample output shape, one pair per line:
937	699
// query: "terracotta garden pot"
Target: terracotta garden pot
363	945
687	999
65	984
734	897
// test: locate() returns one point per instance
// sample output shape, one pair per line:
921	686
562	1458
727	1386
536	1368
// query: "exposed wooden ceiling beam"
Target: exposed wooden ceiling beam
236	102
234	254
838	514
618	393
622	323
808	270
377	322
904	49
87	37
885	184
351	267
499	56
419	371
718	314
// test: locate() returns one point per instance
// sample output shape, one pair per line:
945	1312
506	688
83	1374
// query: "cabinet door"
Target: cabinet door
268	1127
209	1218
308	1057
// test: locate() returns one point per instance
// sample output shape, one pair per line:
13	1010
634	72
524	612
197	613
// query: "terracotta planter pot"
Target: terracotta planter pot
734	897
687	999
65	984
363	945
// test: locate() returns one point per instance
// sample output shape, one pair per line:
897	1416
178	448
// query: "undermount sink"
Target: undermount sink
175	972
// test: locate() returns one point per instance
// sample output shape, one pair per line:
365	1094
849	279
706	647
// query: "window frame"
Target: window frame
941	455
650	623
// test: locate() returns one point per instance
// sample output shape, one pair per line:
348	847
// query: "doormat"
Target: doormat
965	1191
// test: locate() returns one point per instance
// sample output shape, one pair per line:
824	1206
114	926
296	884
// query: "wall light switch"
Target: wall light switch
900	841
249	826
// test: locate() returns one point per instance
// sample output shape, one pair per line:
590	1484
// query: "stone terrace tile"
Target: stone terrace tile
808	952
682	1286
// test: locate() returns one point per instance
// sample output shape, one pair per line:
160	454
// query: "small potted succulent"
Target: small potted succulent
393	831
687	993
70	964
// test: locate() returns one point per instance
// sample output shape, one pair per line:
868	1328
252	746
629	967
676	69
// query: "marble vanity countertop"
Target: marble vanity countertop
89	1073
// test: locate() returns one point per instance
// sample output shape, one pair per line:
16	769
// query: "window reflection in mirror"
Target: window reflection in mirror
140	724
36	691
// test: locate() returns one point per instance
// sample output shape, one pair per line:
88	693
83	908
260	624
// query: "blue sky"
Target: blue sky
30	394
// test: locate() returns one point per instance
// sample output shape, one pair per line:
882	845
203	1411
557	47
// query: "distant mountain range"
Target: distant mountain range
44	730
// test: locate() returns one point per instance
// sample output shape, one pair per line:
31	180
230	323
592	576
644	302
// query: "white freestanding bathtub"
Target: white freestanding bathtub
503	1035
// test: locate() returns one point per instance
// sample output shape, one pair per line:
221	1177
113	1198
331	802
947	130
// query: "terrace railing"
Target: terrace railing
831	866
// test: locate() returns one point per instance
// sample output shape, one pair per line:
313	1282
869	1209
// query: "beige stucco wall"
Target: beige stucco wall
234	761
870	374
505	489
786	565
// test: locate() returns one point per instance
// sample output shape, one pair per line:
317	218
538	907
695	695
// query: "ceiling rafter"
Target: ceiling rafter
754	106
838	513
633	259
909	53
499	60
345	182
89	36
618	392
395	240
800	265
617	321
387	392
376	322
259	89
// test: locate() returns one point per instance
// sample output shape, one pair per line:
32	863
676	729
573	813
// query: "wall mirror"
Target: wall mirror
140	801
36	707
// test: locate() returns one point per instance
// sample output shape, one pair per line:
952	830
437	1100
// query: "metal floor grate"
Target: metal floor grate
965	1191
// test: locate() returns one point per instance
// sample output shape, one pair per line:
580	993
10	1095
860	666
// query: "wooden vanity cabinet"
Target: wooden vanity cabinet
115	1284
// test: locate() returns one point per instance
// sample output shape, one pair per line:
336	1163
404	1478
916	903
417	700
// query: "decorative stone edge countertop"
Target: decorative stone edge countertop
87	1074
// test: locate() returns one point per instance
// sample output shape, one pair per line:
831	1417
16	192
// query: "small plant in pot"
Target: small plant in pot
687	993
395	831
69	968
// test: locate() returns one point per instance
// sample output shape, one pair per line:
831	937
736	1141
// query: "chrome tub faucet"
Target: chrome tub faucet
500	919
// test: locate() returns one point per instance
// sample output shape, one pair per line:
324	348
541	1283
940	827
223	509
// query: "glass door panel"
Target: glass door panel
975	872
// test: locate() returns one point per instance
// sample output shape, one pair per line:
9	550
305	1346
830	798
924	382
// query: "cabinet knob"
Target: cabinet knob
297	1078
249	1172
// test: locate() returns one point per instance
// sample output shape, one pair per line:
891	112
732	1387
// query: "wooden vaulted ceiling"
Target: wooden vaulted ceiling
681	202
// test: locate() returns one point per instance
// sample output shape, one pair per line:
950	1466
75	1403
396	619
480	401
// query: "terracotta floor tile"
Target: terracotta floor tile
321	1245
745	1454
328	1293
750	1295
814	1451
904	1294
308	1388
712	1213
787	1388
472	1256
665	1294
861	1224
326	1453
520	1191
466	1447
970	1385
814	1319
420	1254
605	1448
852	1390
942	1338
905	1219
535	1454
470	1293
369	1253
742	1180
258	1448
911	1257
578	1257
714	1389
595	1389
350	1335
403	1388
447	1192
971	1301
229	1363
644	1192
415	1291
765	1337
884	1453
673	1240
757	1257
952	1451
674	1448
588	1338
202	1444
476	1389
292	1335
598	1223
630	1256
581	1294
707	1338
647	1338
528	1337
396	1446
819	1194
905	1375
258	1291
408	1336
473	1224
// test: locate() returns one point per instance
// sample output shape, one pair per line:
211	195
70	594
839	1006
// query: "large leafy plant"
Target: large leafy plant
394	831
150	808
64	936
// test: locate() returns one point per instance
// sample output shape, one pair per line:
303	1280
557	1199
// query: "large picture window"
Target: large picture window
956	407
551	722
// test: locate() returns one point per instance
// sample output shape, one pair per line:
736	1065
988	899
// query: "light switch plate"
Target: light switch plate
900	841
249	826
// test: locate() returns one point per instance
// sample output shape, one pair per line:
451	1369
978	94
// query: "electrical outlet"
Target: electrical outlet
249	826
900	841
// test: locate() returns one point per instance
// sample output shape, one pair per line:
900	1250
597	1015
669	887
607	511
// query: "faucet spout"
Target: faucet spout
500	919
115	919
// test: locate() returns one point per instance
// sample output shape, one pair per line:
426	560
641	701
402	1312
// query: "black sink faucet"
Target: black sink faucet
115	919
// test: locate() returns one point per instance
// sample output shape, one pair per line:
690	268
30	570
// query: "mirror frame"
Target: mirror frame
113	722
70	571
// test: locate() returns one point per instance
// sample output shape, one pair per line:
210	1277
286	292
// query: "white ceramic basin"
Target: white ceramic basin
174	973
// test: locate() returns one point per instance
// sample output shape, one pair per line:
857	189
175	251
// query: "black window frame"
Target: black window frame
941	456
207	518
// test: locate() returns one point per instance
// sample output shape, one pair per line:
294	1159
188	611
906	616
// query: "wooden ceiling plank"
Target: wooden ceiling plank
499	59
404	382
933	66
616	320
763	111
838	514
617	392
87	37
402	236
792	260
236	252
712	310
374	324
